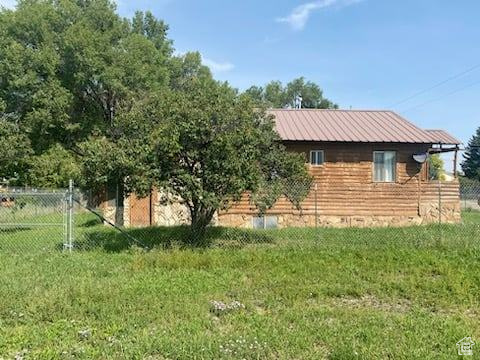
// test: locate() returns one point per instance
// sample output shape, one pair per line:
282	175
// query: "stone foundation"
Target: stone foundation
170	214
174	214
126	212
115	215
450	212
429	214
178	214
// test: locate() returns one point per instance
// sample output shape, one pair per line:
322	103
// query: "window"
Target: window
384	166
316	157
265	222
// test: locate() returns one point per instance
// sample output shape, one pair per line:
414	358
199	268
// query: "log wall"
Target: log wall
344	193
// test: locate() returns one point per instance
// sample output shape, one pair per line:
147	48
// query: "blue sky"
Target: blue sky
365	54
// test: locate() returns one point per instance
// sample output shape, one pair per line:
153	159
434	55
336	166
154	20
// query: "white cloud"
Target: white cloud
217	67
9	4
299	16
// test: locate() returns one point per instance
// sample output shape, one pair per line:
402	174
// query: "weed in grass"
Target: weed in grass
242	348
219	307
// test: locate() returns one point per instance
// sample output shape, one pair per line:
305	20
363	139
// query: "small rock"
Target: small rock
85	334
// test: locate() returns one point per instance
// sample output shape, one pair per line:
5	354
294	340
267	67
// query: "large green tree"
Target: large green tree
206	145
81	85
471	162
15	149
275	95
126	155
67	68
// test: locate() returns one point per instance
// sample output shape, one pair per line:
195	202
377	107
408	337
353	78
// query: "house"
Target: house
368	167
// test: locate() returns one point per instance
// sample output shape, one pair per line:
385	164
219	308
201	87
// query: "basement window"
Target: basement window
316	157
384	166
265	222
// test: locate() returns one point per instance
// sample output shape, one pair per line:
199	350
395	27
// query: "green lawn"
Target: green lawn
307	294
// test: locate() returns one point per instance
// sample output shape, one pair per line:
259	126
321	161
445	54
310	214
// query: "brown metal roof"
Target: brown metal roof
348	126
442	137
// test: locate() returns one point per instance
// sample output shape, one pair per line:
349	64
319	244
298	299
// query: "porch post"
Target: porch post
455	160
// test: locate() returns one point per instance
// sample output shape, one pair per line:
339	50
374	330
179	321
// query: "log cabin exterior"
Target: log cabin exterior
363	169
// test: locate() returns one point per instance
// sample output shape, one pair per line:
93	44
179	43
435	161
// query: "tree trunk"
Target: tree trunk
119	197
201	218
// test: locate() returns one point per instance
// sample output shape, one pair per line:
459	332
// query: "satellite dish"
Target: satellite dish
420	158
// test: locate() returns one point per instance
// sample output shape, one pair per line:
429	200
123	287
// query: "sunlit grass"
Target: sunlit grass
337	293
47	232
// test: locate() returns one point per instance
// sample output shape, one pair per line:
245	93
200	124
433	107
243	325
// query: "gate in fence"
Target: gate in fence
36	219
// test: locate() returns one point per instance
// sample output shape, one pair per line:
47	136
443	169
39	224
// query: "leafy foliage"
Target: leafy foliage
185	68
154	30
210	146
275	95
436	167
103	100
471	163
14	149
54	168
66	67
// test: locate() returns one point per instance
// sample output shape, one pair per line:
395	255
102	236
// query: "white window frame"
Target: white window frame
265	219
310	159
394	177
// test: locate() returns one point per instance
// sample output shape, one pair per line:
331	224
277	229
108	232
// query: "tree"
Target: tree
68	67
256	93
275	95
209	146
80	84
471	162
29	61
54	168
185	68
15	149
436	167
154	30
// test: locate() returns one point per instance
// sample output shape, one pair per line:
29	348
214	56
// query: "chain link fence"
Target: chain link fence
423	214
470	196
33	220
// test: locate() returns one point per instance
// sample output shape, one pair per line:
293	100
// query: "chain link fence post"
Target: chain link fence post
317	228
316	206
439	202
69	218
440	210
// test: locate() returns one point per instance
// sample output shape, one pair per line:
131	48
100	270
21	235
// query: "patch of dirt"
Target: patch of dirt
370	301
472	313
260	310
321	350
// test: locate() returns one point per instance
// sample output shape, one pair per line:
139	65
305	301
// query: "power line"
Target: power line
440	97
436	85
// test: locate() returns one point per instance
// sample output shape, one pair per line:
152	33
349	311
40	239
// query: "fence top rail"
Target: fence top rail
28	225
27	189
32	193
